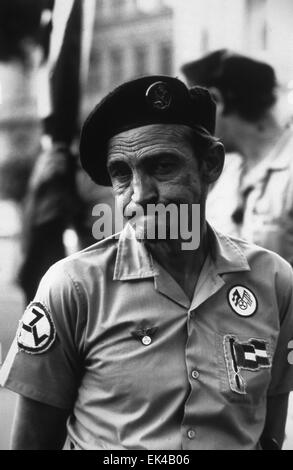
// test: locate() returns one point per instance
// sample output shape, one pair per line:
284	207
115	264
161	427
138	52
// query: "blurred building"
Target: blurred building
131	38
262	28
18	105
19	127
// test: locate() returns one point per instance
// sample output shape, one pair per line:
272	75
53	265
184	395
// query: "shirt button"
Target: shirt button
195	374
146	340
191	433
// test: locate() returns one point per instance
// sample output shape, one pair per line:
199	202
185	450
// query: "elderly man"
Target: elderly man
138	343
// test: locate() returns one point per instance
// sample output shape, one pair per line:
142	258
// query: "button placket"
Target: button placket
191	434
195	374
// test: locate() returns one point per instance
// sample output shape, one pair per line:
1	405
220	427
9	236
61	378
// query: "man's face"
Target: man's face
154	164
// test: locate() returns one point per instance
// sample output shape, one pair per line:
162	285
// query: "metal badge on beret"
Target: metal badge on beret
159	96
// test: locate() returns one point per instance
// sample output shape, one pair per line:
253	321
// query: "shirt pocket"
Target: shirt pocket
244	365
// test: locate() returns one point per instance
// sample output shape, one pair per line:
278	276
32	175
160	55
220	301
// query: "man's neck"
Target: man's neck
183	265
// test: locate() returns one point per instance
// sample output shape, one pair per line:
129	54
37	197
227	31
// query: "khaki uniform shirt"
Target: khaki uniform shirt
112	337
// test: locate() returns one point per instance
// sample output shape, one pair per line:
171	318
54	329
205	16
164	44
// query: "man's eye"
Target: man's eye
120	171
164	166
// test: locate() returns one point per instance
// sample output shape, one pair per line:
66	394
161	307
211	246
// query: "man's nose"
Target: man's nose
144	190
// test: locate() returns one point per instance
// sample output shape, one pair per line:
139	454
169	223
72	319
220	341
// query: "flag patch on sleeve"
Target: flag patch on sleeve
37	332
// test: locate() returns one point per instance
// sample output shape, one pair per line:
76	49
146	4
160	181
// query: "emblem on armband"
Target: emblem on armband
36	333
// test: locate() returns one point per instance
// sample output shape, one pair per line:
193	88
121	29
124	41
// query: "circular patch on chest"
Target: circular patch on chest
242	301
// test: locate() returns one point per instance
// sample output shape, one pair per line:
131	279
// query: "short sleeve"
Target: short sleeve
44	360
282	368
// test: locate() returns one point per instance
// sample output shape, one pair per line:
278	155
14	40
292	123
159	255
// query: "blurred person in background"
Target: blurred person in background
254	196
60	195
23	29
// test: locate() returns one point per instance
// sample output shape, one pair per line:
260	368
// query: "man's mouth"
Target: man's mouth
151	227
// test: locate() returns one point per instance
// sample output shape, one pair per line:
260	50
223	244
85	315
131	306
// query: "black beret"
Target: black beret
147	100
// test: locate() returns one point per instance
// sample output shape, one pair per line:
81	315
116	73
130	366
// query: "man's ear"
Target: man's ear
218	97
213	162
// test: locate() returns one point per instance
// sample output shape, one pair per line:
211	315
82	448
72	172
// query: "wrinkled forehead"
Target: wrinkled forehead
169	136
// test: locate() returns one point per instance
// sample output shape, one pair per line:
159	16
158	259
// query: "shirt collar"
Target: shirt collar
281	155
283	161
226	253
133	261
278	159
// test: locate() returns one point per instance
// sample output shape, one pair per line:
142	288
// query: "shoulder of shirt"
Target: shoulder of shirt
270	269
257	254
96	257
285	154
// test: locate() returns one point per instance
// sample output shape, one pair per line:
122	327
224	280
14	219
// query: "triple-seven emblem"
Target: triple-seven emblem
36	332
